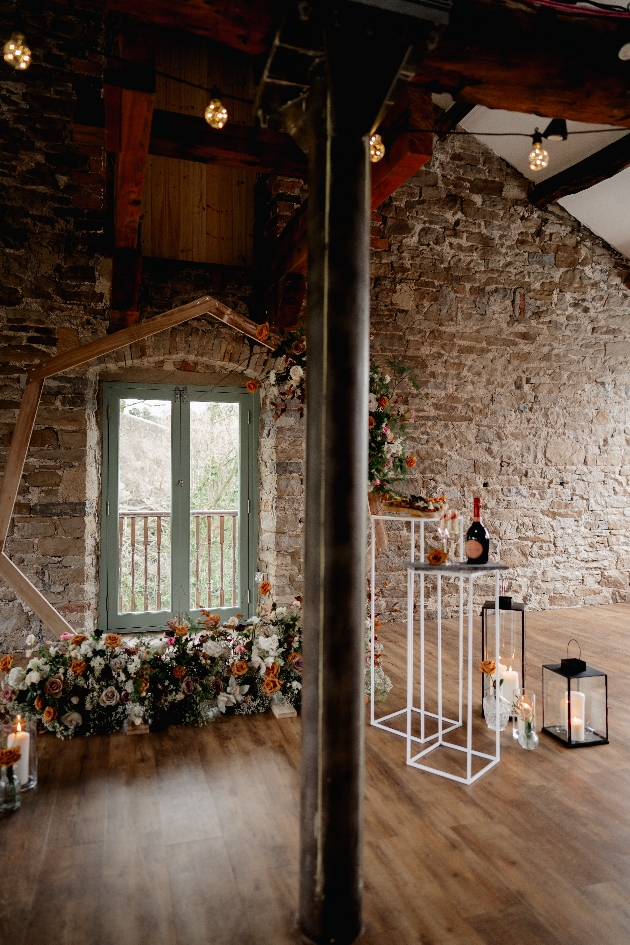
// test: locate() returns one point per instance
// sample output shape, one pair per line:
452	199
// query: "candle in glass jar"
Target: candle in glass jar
22	740
510	683
578	709
577	729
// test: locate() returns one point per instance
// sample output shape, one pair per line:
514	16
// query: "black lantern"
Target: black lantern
575	702
511	643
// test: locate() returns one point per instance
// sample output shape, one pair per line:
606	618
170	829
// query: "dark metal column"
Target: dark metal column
335	543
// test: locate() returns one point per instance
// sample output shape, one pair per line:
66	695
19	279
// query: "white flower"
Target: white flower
129	685
52	650
296	685
232	622
86	649
159	646
213	648
269	643
74	700
296	372
109	696
71	719
233	695
387	378
38	666
97	665
32	678
372	402
133	666
179	697
31	639
253	621
17	677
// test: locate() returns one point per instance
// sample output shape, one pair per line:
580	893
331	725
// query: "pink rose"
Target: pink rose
66	636
171	640
188	686
6	695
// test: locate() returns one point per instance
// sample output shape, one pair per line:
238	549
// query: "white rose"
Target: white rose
31	639
71	719
372	402
17	677
74	700
232	622
296	372
32	678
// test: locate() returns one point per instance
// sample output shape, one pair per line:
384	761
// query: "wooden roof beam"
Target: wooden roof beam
592	170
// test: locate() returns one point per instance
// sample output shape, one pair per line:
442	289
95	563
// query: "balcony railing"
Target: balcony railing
144	555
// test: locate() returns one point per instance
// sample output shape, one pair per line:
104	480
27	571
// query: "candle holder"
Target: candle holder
23	734
512	644
575	702
524	724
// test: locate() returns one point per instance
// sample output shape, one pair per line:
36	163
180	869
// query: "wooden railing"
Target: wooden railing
144	552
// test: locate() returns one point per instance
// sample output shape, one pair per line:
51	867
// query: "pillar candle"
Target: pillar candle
577	729
578	709
510	683
21	740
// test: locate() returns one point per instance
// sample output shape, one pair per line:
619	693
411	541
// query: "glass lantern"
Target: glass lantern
575	703
511	644
23	734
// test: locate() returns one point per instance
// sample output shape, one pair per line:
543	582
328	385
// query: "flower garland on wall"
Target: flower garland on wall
89	684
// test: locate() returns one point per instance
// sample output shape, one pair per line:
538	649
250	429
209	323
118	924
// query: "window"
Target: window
179	504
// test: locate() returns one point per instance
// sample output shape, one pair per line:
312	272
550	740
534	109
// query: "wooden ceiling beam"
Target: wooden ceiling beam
524	58
592	170
189	138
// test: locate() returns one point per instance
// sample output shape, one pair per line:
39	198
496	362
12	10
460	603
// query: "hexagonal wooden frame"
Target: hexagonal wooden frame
205	305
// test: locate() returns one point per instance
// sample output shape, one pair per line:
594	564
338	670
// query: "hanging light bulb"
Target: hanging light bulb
216	113
538	157
377	149
16	52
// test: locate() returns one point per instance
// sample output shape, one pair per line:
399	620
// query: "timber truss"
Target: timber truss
14	577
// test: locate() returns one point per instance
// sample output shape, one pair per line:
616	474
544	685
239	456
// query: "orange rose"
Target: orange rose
410	462
383	402
181	629
10	756
273	670
488	667
6	662
143	684
78	667
265	588
371	422
298	347
436	556
271	685
211	620
262	332
78	639
252	386
39	703
50	714
240	668
112	640
292	657
179	671
377	624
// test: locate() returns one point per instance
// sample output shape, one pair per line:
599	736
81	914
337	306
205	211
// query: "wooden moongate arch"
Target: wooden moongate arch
18	581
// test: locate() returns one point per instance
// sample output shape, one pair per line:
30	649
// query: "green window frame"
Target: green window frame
180	397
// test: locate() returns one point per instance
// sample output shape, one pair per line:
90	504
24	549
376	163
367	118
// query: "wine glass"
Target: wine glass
448	530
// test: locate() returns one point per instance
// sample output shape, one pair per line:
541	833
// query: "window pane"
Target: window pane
214	493
144	506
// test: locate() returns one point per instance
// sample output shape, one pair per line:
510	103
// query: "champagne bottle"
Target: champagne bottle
477	538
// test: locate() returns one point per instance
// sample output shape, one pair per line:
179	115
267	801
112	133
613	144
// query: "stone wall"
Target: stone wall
518	326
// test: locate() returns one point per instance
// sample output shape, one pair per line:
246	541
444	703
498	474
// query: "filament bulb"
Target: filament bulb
377	149
16	52
538	157
216	114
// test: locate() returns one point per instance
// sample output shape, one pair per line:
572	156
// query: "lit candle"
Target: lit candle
577	729
510	683
578	711
21	740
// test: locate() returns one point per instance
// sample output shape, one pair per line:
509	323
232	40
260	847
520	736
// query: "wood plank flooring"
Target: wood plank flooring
190	837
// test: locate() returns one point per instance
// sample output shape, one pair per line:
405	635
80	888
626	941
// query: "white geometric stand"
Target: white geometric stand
465	574
417	527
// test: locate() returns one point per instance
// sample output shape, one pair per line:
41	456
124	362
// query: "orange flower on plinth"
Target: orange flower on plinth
181	629
271	685
6	662
39	703
211	620
410	462
383	402
252	386
488	667
273	670
179	672
78	639
78	667
371	422
112	640
240	668
262	332
436	556
265	588
50	714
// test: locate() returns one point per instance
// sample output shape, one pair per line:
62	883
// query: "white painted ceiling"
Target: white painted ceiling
604	208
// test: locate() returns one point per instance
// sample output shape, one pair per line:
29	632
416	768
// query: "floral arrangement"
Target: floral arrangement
388	461
382	682
290	379
92	684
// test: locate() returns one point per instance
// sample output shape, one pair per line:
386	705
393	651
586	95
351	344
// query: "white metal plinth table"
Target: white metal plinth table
416	531
435	726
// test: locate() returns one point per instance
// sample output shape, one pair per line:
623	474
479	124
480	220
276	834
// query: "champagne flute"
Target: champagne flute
448	530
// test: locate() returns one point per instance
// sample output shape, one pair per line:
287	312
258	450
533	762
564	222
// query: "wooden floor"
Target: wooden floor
190	837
